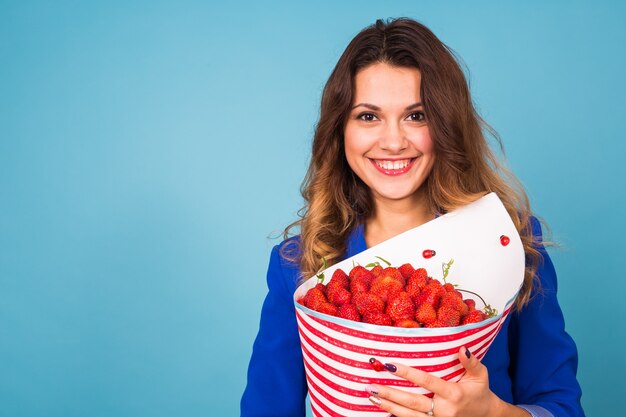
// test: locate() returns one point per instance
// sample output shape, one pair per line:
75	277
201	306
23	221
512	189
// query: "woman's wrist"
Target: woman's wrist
503	409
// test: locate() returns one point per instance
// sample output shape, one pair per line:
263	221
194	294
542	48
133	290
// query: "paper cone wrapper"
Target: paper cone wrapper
337	351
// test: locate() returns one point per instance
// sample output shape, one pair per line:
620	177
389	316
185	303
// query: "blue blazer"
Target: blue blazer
532	361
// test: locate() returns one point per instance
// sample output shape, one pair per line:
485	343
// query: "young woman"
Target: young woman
398	143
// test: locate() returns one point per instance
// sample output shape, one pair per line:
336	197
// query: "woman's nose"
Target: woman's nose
393	138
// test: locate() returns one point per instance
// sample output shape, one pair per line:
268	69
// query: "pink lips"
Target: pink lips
393	172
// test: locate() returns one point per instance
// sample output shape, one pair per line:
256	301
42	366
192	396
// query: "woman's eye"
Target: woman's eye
418	116
366	117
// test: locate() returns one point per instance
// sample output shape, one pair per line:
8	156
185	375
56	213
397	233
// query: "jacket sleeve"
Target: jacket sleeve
544	359
276	380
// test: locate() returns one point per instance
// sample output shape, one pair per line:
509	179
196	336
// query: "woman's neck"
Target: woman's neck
391	218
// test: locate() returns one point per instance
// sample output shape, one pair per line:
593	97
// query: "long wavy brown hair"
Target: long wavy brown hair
465	168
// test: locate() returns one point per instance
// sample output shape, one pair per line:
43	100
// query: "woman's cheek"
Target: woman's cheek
423	142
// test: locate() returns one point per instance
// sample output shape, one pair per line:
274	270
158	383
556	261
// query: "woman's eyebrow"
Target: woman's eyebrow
373	107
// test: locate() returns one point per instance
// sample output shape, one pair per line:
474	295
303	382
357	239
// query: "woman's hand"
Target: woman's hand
469	397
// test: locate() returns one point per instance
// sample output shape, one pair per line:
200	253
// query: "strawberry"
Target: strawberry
333	286
327	308
455	301
406	270
401	307
426	314
474	316
368	303
388	284
416	282
449	287
321	287
434	283
314	298
429	295
361	280
471	304
407	323
393	273
358	271
448	317
377	270
386	289
349	312
340	277
381	319
339	296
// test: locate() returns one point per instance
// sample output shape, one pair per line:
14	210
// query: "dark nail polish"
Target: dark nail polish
467	353
390	367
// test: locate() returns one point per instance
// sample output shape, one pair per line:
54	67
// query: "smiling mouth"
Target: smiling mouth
393	167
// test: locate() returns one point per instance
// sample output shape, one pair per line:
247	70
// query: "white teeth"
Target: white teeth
391	165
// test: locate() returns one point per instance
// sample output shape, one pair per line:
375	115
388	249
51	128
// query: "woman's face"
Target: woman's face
387	142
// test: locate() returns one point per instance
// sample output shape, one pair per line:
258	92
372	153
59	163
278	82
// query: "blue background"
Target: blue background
148	150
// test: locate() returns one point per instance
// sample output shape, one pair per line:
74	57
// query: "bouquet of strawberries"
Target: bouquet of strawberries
419	312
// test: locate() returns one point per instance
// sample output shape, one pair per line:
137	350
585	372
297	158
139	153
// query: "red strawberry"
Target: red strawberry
448	317
340	277
471	304
339	296
401	307
416	282
407	323
377	365
434	283
327	308
388	284
377	270
368	303
393	273
381	319
314	298
430	295
474	316
358	271
361	280
349	312
426	314
321	287
406	270
455	301
448	287
333	286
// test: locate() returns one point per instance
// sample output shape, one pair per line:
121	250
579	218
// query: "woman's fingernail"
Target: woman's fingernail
375	400
371	389
390	367
467	353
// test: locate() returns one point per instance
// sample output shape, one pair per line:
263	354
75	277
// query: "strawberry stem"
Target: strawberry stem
320	276
385	261
446	269
477	295
487	309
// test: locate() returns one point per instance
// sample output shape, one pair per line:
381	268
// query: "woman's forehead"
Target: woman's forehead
383	84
